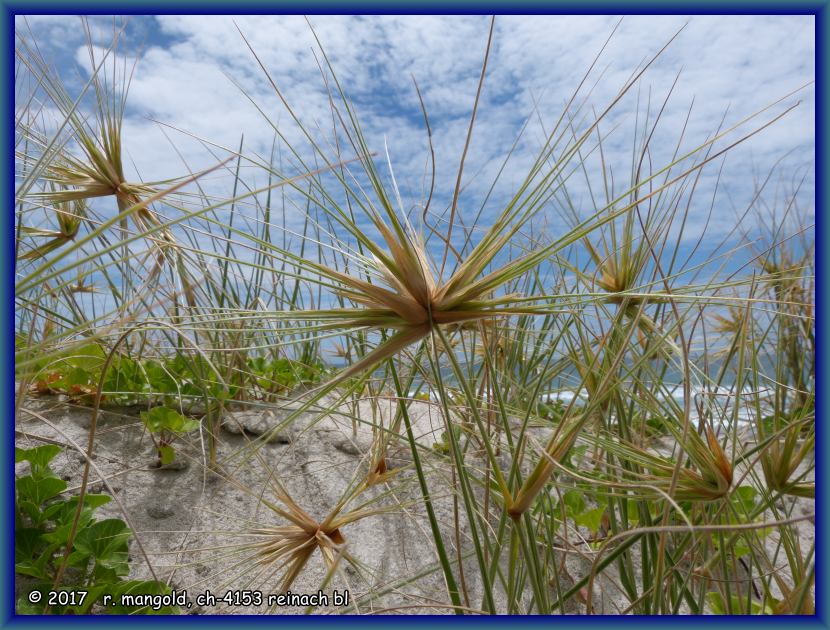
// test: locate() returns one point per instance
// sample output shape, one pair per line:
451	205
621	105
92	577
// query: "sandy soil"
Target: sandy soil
191	524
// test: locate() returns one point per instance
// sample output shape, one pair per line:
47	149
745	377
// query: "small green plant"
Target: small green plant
282	376
171	380
581	511
165	426
98	561
74	373
657	426
443	445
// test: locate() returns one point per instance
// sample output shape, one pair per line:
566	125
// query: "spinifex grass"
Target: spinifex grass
480	315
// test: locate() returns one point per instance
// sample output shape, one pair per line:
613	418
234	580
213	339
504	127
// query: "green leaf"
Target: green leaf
106	541
574	502
76	376
257	365
738	604
39	456
716	603
37	491
29	509
125	377
30	568
658	425
89	357
37	565
218	392
27	567
63	512
740	548
164	419
576	454
743	498
590	518
60	535
27	543
160	380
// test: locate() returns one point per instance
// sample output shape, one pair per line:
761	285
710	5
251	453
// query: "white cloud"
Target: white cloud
739	63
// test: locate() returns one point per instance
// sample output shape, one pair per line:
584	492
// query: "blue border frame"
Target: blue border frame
822	22
480	7
215	7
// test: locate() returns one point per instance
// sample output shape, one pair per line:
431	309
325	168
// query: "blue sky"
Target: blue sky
730	67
